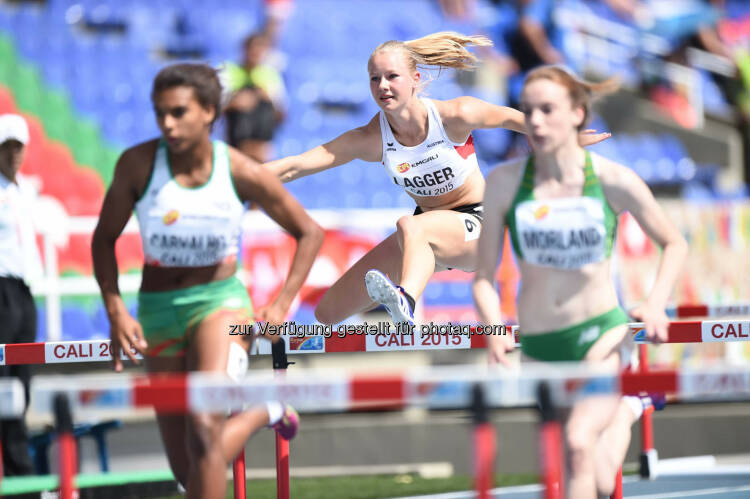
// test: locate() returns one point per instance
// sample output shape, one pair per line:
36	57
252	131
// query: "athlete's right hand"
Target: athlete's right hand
498	346
126	334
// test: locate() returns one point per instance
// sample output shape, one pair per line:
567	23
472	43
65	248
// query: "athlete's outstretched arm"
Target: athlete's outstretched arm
256	183
486	297
125	331
359	143
464	114
626	191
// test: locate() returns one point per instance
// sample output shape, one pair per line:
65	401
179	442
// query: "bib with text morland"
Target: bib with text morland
564	233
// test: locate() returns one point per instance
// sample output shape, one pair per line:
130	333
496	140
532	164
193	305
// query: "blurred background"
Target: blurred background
81	73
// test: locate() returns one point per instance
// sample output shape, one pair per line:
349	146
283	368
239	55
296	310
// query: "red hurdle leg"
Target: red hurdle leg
280	363
617	493
550	446
649	456
552	459
485	451
485	444
67	447
238	471
282	468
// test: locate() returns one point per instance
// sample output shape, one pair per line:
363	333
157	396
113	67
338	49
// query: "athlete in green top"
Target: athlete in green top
560	206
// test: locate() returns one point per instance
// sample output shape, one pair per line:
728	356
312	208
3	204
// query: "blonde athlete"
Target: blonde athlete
189	193
561	205
426	147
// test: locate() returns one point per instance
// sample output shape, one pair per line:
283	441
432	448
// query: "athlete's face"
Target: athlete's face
181	118
550	117
392	83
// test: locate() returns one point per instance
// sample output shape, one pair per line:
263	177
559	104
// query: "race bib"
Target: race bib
565	233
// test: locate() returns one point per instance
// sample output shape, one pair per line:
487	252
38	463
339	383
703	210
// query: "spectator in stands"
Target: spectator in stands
457	9
256	99
19	264
533	43
190	296
693	25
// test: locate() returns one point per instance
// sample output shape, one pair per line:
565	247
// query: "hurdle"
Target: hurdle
100	351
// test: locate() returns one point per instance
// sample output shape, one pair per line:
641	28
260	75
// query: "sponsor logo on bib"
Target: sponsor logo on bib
541	212
171	217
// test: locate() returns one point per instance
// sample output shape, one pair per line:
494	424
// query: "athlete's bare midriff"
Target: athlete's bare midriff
171	278
470	192
551	299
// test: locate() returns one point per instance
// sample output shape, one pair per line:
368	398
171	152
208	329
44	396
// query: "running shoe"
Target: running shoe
658	400
288	425
392	297
653	402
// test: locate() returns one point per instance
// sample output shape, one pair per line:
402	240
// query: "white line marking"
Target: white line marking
696	493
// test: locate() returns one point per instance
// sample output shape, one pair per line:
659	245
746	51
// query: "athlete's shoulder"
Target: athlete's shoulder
133	168
372	127
241	166
458	107
502	184
508	171
620	184
140	153
611	173
445	108
136	162
236	158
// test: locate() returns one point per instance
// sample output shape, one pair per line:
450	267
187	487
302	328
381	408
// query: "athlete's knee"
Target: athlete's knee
580	444
408	226
203	434
605	484
324	311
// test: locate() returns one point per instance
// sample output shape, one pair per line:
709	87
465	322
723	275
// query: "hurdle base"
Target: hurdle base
648	464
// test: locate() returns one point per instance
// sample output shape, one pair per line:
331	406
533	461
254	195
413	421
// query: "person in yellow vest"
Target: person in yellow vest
560	205
189	194
256	99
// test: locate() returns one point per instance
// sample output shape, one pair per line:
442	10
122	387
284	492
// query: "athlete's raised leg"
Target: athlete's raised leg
348	295
433	241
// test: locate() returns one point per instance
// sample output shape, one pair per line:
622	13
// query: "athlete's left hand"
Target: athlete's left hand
589	137
274	313
655	321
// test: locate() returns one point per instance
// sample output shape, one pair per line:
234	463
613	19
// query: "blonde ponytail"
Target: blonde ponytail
446	49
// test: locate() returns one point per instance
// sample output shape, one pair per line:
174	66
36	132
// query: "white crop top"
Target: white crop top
189	226
436	166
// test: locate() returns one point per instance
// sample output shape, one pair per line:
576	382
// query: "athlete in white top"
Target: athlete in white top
188	192
427	147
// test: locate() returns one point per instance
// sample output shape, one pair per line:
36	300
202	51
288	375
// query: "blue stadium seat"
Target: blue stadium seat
41	321
76	324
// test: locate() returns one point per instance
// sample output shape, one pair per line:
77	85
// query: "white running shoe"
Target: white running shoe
383	291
